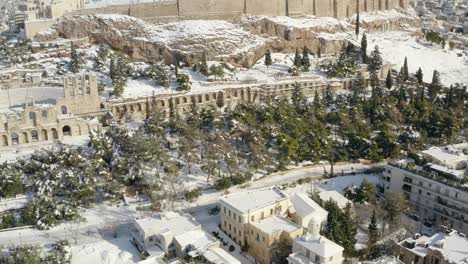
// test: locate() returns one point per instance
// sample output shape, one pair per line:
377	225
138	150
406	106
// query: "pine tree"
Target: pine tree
99	60
176	69
373	231
405	70
419	75
76	60
204	65
375	61
357	25
348	229
364	48
183	82
298	99
389	80
305	62
443	43
268	61
297	59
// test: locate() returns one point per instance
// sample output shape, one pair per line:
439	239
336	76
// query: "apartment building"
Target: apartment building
435	190
267	221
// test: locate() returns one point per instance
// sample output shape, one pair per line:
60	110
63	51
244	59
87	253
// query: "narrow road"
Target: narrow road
102	217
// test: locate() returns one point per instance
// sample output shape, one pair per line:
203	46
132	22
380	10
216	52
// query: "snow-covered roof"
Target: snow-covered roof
453	246
449	156
173	222
220	256
305	206
254	199
334	196
199	239
275	224
319	245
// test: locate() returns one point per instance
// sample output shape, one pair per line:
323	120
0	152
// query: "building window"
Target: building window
252	218
224	223
229	227
235	230
224	210
234	217
258	237
240	219
317	259
428	194
271	211
263	215
229	213
420	191
240	233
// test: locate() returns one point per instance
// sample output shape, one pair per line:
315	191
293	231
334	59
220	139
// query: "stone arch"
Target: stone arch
139	107
26	137
185	99
34	136
4	141
207	97
44	134
66	130
177	101
14	139
131	108
64	110
54	133
161	102
200	99
101	105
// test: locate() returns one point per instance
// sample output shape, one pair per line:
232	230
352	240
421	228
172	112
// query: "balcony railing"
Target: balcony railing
440	177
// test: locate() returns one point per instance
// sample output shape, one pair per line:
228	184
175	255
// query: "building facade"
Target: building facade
69	116
266	222
432	199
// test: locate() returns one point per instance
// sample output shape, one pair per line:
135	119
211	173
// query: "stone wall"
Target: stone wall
209	9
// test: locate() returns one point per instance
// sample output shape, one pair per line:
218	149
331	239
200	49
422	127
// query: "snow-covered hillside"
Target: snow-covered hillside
398	44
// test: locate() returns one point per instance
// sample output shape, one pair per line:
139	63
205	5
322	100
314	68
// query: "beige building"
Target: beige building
69	116
39	15
441	248
267	221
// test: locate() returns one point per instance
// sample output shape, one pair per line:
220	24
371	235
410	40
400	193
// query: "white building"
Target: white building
313	248
434	192
305	209
175	235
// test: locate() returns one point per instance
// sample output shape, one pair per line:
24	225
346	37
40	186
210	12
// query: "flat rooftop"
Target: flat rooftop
174	222
199	239
251	200
275	224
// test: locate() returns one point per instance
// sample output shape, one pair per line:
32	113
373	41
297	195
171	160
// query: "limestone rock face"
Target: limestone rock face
240	43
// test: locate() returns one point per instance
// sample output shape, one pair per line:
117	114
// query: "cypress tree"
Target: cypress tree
357	25
305	59
204	65
268	61
419	75
389	80
435	86
364	48
297	59
319	52
405	70
373	232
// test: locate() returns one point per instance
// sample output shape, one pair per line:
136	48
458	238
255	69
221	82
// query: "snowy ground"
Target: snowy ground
394	46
